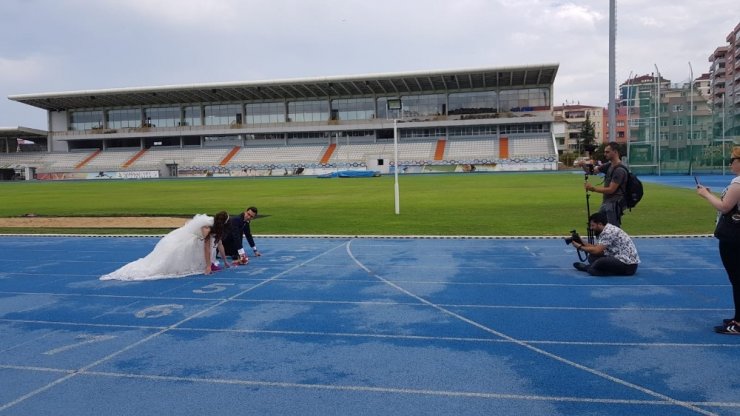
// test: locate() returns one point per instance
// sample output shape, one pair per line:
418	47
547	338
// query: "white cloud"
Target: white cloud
25	70
211	14
573	14
651	22
83	44
524	38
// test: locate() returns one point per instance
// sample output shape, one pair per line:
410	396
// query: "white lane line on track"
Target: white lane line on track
379	336
384	390
158	333
531	347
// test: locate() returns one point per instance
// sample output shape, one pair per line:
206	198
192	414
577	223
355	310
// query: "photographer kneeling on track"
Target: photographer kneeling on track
615	183
613	254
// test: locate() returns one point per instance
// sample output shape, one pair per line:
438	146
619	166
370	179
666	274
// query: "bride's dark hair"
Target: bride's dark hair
220	225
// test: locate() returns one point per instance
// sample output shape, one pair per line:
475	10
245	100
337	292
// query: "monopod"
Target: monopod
583	257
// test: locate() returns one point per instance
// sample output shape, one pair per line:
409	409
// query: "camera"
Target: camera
573	237
589	167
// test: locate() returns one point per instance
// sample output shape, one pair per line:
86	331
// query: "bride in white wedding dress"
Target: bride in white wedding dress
183	252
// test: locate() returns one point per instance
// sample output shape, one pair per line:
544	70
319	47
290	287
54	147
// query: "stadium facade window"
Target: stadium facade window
353	109
473	131
124	118
192	116
423	105
85	144
266	113
269	136
124	143
191	141
473	102
308	135
162	142
223	114
163	116
308	111
382	108
525	128
219	141
529	99
358	133
422	133
85	120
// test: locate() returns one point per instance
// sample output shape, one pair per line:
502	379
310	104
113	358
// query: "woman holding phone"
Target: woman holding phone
729	251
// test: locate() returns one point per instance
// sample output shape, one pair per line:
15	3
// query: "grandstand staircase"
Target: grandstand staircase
328	153
88	159
439	152
503	148
229	156
134	158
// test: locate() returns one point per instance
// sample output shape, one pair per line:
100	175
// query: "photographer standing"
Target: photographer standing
614	252
615	182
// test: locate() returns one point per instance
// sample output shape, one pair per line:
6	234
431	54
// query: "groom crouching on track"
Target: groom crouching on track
238	227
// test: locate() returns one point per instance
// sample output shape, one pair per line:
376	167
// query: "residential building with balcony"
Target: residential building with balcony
725	87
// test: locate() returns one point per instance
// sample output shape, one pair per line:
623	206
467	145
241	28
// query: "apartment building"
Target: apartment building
725	87
568	124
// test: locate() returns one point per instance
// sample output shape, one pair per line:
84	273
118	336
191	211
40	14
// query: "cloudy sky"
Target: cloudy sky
71	45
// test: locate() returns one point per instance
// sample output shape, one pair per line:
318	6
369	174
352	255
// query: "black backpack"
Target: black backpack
632	189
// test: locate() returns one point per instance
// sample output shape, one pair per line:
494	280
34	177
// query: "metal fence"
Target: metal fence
679	128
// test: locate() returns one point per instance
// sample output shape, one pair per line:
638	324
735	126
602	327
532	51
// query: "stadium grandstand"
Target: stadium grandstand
485	119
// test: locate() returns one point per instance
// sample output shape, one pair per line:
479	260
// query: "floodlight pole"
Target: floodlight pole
724	165
691	120
629	110
612	107
657	119
396	190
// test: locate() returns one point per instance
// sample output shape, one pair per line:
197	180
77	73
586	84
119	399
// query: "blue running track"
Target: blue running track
376	326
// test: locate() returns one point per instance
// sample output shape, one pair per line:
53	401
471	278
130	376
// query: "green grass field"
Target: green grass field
478	204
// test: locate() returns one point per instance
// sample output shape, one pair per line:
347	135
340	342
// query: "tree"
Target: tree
588	136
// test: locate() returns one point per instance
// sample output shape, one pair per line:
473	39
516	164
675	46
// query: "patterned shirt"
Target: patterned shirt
618	244
736	181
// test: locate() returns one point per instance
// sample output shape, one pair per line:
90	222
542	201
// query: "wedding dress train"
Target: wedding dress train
179	253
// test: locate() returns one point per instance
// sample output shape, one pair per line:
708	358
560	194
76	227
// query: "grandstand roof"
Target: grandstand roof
20	131
390	84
